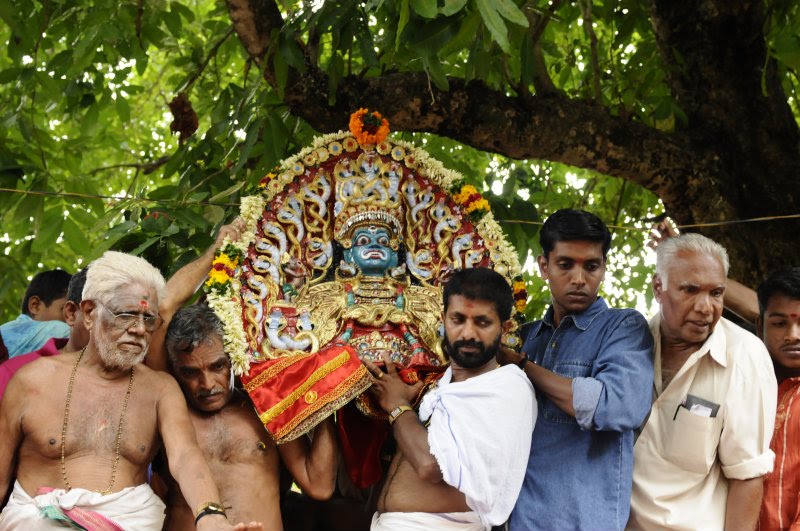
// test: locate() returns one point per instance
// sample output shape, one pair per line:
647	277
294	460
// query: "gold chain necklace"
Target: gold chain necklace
66	420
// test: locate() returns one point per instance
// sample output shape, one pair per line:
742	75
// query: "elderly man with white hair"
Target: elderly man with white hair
83	427
701	455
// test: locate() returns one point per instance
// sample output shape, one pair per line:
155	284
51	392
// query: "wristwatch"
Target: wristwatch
209	508
396	412
521	363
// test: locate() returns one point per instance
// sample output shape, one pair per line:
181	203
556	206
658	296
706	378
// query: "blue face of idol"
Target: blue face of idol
371	251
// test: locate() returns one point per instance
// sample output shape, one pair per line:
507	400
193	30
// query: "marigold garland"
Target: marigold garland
471	200
223	268
369	128
520	294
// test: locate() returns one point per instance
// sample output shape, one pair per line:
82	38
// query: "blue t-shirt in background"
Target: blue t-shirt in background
23	334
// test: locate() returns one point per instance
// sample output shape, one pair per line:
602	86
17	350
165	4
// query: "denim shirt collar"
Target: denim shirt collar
581	320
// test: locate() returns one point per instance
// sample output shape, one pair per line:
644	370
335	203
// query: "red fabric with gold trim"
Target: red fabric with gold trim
294	393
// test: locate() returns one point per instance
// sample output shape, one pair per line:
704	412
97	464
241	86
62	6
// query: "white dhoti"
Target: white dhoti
131	509
465	521
480	434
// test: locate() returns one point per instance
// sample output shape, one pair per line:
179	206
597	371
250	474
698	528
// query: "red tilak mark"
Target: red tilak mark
469	304
793	315
143	304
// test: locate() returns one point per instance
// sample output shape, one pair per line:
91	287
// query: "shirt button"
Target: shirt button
553	345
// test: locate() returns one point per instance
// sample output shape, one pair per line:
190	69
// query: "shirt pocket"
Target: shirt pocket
574	369
693	441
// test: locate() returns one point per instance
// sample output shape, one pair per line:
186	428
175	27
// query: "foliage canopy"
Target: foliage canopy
88	160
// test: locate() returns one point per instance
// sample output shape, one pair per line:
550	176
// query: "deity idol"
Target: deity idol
348	249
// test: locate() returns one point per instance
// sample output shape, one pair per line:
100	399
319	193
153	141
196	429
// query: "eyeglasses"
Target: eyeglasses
124	320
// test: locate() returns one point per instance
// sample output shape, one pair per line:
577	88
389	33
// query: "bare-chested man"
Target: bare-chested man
243	460
82	427
461	459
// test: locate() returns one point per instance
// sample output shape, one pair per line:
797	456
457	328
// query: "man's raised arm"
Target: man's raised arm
180	288
313	464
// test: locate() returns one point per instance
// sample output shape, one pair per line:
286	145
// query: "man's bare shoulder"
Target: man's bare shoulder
44	370
159	383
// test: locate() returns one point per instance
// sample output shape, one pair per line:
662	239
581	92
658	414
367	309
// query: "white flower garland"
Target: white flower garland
229	311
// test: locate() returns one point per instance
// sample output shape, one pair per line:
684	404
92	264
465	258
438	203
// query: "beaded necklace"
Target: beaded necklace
66	420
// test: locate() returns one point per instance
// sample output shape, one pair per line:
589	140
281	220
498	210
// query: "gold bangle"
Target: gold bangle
396	412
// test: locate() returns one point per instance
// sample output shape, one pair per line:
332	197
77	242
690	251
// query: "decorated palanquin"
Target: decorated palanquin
347	247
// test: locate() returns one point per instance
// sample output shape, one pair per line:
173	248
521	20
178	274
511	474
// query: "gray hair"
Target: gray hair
689	242
115	270
190	327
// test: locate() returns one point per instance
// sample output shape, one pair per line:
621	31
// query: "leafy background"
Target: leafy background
85	89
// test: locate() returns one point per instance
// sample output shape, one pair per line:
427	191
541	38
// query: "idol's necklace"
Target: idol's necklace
66	420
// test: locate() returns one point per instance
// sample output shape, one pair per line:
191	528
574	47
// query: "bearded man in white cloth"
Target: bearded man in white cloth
461	459
83	427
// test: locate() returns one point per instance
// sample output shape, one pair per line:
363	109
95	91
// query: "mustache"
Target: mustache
212	392
468	343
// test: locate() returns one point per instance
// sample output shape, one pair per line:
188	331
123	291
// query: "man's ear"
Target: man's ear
541	261
89	311
658	287
72	313
35	306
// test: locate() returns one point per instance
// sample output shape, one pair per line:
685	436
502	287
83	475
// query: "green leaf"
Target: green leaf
123	109
425	8
49	230
147	243
75	237
451	7
509	11
436	73
466	35
9	74
405	14
172	20
90	120
494	23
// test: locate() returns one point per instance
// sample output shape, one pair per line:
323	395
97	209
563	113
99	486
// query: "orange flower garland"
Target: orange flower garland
223	268
474	204
520	295
369	128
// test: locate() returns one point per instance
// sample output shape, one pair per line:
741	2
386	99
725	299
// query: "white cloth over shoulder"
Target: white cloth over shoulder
480	434
426	522
133	508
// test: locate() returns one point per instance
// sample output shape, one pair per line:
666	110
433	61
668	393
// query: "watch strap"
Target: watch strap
209	508
396	412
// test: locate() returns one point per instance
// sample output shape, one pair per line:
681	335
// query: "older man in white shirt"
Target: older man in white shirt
701	455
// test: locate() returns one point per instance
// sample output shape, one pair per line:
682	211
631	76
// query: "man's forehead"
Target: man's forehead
701	283
207	356
460	305
577	250
780	304
136	298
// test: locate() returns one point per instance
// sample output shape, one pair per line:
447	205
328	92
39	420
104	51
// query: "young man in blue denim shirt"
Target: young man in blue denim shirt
592	369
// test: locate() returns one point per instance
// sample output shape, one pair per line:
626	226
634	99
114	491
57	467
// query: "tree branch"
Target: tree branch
187	87
586	10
